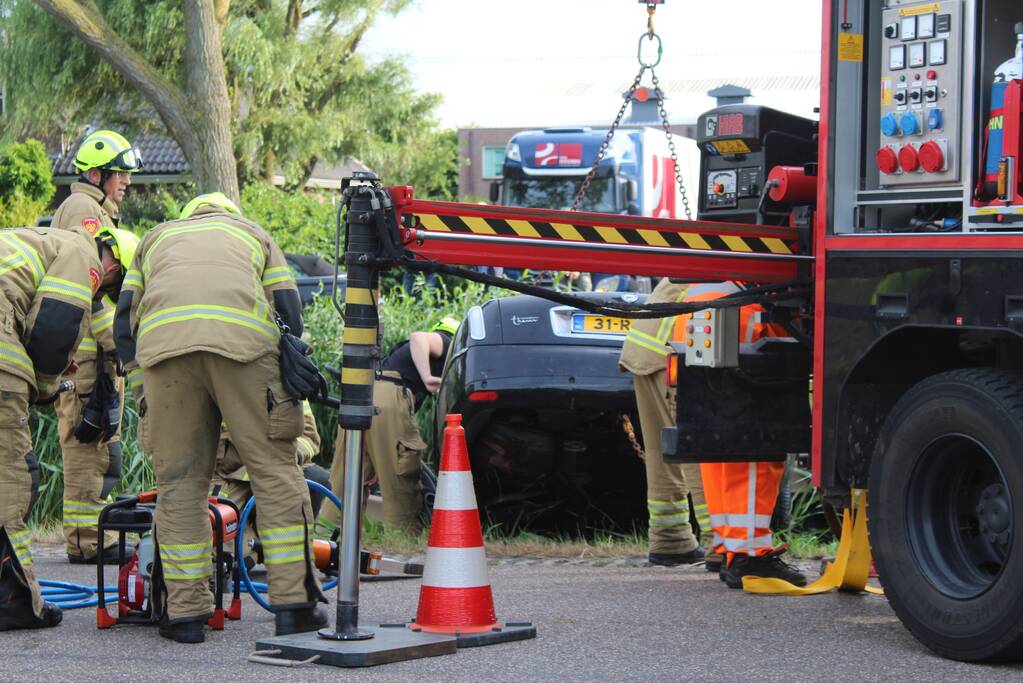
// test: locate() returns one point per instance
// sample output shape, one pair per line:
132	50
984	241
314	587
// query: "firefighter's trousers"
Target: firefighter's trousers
731	488
187	397
91	470
19	484
393	448
667	484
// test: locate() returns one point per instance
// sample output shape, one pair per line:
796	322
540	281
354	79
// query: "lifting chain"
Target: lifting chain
630	433
643	68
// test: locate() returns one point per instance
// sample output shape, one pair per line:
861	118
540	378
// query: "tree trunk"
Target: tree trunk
216	169
197	118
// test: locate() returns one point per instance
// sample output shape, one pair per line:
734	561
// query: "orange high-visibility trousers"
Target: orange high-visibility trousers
740	495
741	498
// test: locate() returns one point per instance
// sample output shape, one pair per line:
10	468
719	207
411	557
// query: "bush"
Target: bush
26	183
300	222
147	205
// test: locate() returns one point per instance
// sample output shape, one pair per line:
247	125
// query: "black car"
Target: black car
541	398
314	275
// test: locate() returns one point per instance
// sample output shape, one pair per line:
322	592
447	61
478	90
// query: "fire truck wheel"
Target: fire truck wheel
946	496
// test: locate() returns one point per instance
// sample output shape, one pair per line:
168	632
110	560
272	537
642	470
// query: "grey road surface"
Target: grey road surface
620	622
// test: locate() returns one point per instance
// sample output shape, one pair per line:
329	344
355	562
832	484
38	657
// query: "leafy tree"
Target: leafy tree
296	89
26	184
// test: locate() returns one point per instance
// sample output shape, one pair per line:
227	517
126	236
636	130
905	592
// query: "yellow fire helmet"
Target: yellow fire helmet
122	243
447	324
109	151
214	198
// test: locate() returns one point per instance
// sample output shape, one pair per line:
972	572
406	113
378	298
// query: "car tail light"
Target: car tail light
483	396
672	369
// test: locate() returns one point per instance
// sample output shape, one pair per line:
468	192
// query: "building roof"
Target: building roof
161	156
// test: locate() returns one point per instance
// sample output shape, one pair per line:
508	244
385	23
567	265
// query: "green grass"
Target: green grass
137	468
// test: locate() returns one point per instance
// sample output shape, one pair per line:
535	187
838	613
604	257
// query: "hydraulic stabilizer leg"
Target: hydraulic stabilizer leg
358	367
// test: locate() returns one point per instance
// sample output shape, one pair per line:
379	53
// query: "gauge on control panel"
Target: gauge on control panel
721	189
896	57
925	26
908	28
917	54
936	48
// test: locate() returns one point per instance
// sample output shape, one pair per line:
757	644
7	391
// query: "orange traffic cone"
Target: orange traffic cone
455	596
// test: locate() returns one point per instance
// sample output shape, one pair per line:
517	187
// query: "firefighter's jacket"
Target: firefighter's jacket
85	211
645	350
212	282
47	280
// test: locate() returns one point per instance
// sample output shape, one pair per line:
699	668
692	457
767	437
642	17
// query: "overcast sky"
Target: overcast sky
553	62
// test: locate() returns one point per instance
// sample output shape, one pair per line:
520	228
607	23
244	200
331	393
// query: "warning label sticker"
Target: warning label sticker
886	92
850	47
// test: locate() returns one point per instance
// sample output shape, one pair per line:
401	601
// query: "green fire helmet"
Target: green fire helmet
122	243
447	324
109	151
214	198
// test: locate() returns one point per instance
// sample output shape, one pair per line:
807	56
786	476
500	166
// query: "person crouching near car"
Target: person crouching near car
393	445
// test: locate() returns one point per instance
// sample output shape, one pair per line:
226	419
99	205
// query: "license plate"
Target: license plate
599	324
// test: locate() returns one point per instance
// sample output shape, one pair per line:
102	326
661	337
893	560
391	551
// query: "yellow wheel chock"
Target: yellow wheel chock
848	571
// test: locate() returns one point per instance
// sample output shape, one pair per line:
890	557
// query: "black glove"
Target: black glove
111	407
91	427
101	416
299	375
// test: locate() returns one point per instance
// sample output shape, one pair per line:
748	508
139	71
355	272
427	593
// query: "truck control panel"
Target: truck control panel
921	77
739	145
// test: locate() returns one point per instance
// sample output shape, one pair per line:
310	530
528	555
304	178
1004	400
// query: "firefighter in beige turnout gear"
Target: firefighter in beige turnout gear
644	354
197	315
410	372
92	468
48	281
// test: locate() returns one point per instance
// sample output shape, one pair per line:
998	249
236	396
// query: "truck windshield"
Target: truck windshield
559	193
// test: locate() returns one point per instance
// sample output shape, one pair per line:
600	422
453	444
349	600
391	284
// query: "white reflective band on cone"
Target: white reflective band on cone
455	492
456	568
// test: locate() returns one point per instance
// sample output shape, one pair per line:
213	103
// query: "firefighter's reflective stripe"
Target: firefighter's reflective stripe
135	376
658	342
11	261
67	288
258	259
235	316
285	544
88	345
19	539
702	517
81	513
648	342
668	512
273	276
30	254
305	446
133	279
16	355
186	561
102	320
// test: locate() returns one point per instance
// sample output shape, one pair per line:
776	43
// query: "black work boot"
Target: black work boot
769	566
109	556
299	620
183	631
675	559
18	614
713	563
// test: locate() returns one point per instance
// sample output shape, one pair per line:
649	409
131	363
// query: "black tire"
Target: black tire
946	496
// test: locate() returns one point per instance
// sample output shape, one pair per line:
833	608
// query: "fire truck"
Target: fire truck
886	237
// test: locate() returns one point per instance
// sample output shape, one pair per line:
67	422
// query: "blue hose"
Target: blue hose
254	588
67	595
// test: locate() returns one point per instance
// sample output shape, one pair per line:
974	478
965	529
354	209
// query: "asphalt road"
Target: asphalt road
618	622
